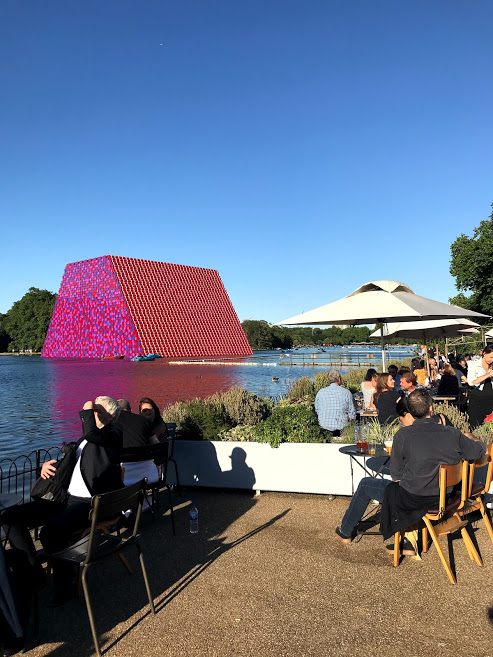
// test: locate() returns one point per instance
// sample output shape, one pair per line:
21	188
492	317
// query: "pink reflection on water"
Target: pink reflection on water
73	382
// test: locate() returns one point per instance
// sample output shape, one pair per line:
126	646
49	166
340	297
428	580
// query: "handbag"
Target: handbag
55	488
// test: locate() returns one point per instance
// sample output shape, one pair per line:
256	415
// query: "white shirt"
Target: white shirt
77	484
474	370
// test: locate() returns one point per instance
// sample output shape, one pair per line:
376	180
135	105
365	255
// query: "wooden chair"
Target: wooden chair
477	490
446	516
96	546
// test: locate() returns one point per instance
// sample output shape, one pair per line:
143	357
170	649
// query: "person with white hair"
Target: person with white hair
97	470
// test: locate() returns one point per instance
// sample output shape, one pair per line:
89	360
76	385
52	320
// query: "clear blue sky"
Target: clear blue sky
300	148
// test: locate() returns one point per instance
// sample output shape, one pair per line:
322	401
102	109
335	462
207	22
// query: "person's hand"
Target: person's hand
48	469
89	405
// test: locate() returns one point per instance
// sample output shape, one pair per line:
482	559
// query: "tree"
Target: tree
28	320
4	336
259	334
472	267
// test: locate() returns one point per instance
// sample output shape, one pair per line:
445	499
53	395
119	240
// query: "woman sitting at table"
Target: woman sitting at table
368	386
449	385
384	398
418	368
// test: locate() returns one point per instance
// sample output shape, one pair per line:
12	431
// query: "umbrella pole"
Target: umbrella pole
446	348
426	356
382	342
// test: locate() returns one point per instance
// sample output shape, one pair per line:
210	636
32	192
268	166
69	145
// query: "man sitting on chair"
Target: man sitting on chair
137	432
96	471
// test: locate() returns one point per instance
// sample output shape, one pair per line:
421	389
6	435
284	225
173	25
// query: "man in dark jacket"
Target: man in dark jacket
96	471
136	428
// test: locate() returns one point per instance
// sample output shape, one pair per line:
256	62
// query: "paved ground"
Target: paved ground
265	577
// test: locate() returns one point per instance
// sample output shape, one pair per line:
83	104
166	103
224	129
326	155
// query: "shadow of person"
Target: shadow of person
240	475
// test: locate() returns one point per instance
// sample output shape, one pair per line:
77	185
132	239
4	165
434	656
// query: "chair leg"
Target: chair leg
486	519
424	539
146	581
172	460
124	561
173	529
441	554
89	611
397	548
471	550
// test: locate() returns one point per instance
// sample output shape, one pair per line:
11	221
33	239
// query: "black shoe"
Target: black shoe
407	548
342	537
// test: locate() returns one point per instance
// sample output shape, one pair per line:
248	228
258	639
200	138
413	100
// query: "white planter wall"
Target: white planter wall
292	467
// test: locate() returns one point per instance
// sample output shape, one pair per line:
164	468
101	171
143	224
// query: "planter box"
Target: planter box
291	468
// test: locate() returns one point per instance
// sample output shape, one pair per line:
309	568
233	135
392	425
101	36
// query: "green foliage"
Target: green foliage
262	335
240	433
352	380
320	380
28	320
302	388
347	434
485	432
472	267
292	424
4	336
243	407
458	419
201	421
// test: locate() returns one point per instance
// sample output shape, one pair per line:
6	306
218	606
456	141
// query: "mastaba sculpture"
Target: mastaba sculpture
113	305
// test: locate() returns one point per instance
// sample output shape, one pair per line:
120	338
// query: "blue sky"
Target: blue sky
300	148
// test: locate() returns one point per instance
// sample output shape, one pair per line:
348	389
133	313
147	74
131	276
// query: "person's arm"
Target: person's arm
471	447
48	469
474	375
371	404
351	406
105	437
397	458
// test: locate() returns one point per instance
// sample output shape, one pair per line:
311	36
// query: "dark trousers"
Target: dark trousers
60	522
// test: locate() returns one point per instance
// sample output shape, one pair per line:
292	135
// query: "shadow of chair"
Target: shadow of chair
446	517
96	546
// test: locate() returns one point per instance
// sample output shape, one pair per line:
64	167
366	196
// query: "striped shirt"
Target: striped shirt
335	407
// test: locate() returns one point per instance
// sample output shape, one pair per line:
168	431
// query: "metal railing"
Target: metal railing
18	473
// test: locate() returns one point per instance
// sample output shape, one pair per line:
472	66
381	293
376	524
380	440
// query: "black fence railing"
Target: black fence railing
18	473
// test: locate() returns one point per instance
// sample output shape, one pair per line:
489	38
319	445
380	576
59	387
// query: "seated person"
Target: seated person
417	453
409	383
334	405
369	488
97	470
384	398
368	386
448	386
137	432
148	408
418	367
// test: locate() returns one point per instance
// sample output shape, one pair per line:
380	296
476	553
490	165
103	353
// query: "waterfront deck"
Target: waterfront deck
266	577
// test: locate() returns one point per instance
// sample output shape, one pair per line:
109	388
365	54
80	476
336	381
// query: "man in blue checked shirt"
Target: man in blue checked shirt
334	405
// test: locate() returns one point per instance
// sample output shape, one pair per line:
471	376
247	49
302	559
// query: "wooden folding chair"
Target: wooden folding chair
477	490
446	517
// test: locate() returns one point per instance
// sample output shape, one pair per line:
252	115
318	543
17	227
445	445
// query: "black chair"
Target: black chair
159	453
97	546
171	441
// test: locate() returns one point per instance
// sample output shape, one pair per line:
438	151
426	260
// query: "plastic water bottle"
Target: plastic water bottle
194	520
356	433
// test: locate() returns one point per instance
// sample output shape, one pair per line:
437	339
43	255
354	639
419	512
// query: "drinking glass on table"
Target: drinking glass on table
388	446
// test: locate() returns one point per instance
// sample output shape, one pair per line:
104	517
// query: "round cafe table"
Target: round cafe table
356	456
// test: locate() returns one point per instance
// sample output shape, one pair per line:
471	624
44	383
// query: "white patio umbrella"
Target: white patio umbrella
426	329
489	334
380	302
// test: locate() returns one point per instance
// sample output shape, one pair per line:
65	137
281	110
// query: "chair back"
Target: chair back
451	475
486	460
110	505
157	452
171	437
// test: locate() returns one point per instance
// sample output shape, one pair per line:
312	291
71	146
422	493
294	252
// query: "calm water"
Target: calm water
40	398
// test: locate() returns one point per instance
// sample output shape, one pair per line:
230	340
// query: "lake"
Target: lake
40	397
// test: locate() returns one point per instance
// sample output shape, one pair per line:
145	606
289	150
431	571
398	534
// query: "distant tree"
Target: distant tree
4	336
333	335
282	338
472	267
28	320
259	334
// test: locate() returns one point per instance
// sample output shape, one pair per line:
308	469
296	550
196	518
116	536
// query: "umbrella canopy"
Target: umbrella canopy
380	301
489	334
426	329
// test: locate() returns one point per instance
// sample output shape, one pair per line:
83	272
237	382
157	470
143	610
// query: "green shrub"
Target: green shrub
291	424
243	407
198	419
352	380
241	433
485	432
320	380
302	388
458	419
347	434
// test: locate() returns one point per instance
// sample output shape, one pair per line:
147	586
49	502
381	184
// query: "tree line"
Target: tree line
25	325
